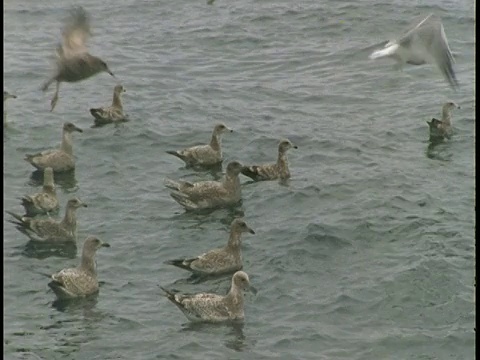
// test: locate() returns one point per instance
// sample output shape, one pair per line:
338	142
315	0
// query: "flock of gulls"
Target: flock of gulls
425	42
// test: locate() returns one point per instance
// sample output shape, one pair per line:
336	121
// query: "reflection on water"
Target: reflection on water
37	250
65	180
234	339
436	150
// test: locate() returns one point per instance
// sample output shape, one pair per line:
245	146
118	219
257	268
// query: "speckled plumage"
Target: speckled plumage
44	202
440	129
113	113
278	170
73	61
209	194
212	307
82	280
204	155
50	230
218	261
60	160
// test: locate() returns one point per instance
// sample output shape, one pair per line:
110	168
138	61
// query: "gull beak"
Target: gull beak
251	231
295	146
230	130
104	244
111	73
78	129
84	205
253	290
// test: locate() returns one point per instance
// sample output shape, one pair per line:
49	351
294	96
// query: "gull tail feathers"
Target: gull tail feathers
252	172
176	153
181	263
183	200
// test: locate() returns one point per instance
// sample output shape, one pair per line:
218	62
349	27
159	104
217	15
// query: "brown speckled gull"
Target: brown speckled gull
73	62
209	194
44	202
205	307
440	129
82	280
113	113
50	230
60	160
204	155
218	261
278	170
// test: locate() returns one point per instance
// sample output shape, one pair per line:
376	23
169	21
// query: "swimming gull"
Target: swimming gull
425	42
278	170
82	280
440	129
204	155
44	202
73	62
209	194
50	230
60	160
6	96
113	113
218	261
212	307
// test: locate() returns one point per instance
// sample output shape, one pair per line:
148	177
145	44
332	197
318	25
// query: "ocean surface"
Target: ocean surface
367	252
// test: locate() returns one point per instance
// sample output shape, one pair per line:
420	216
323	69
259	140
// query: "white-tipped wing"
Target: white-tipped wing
75	33
428	38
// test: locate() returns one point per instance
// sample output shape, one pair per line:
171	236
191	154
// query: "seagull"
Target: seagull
82	280
272	171
440	129
425	42
73	61
113	113
212	307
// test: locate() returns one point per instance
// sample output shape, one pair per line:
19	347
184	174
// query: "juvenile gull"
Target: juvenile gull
425	42
212	307
209	194
6	96
44	202
278	170
49	230
204	155
73	61
218	261
82	280
113	113
440	129
60	160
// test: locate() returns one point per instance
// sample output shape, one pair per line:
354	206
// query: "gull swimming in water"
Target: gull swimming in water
278	170
73	61
218	261
44	202
440	129
49	230
6	96
60	160
204	155
212	307
209	194
113	113
82	280
425	42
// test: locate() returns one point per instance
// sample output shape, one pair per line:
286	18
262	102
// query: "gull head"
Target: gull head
92	243
99	65
241	226
75	203
241	281
234	168
285	145
7	95
69	128
220	129
451	105
118	89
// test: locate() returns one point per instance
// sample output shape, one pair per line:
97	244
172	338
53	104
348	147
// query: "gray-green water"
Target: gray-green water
368	253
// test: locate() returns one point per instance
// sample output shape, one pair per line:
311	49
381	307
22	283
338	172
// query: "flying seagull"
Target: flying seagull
74	63
425	42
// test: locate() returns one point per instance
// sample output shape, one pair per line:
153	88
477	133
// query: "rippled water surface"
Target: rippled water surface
367	253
